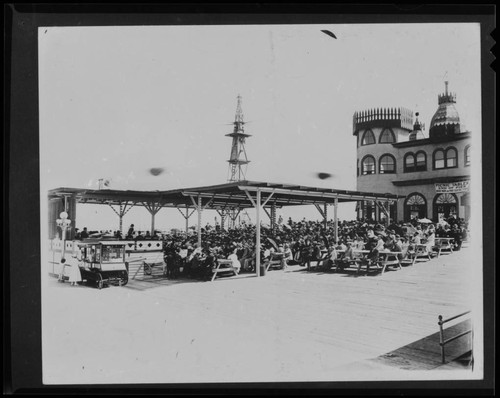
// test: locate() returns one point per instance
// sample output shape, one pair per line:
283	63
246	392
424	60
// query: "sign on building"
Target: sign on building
453	187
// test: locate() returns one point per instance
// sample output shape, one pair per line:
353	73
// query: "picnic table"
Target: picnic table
223	266
389	258
276	260
360	260
444	244
422	250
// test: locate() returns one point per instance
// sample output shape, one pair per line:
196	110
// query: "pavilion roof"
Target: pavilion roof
228	195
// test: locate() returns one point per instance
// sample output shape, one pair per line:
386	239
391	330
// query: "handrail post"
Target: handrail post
441	337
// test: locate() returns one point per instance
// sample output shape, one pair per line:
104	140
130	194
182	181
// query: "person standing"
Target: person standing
75	275
130	233
61	270
84	234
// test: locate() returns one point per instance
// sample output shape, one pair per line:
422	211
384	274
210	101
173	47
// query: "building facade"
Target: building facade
394	155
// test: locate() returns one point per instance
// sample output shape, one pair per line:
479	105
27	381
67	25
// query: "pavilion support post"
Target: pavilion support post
186	216
325	216
324	213
335	219
121	213
234	215
199	207
388	213
257	235
199	220
273	216
222	219
153	208
152	223
120	216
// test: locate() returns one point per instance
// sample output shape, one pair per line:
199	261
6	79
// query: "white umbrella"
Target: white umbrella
425	221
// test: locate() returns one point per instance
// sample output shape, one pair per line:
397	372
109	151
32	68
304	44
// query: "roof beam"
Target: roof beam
326	195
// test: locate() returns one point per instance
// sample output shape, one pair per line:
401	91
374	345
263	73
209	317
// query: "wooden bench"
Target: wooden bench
224	266
444	245
408	256
275	261
358	260
320	261
388	259
421	250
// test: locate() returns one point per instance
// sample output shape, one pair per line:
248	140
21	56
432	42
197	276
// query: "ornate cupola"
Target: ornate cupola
417	133
445	121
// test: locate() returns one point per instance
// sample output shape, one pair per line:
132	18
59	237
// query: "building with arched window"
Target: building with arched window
394	155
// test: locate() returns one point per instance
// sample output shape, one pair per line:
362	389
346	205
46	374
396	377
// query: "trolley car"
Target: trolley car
102	263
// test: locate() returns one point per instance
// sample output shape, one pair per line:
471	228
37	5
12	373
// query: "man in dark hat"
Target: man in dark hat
84	234
130	233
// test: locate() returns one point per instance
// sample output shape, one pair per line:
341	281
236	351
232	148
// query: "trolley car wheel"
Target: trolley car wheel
99	282
124	280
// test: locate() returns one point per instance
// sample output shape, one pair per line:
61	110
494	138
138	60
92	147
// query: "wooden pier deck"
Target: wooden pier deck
287	326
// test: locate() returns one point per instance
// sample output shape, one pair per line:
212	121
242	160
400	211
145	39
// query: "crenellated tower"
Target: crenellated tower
382	117
377	130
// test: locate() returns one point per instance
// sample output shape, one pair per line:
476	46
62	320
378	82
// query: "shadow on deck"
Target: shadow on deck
154	281
425	354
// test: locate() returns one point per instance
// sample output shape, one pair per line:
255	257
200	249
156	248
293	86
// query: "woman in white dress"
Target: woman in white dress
74	272
234	258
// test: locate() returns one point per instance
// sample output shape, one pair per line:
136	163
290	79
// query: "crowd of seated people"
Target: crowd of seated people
297	242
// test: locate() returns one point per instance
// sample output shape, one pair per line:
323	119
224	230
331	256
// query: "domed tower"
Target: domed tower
445	122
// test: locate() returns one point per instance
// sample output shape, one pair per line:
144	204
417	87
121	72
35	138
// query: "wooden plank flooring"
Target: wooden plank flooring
287	326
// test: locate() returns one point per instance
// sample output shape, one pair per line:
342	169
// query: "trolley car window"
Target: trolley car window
112	253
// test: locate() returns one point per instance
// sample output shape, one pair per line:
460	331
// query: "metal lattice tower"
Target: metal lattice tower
238	161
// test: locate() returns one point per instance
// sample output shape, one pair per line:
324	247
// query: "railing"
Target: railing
442	341
388	117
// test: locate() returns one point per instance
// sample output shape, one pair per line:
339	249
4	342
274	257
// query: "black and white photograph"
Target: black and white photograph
261	203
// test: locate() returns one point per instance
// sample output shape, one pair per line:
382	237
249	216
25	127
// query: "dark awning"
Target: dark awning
233	194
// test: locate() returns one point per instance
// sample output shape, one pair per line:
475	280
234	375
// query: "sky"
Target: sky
118	101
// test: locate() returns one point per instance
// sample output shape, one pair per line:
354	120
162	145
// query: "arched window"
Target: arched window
409	162
387	136
451	158
368	138
467	155
387	164
415	199
445	206
415	206
368	165
446	198
439	159
421	161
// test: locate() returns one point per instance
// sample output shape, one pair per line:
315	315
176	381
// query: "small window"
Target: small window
451	158
467	155
421	161
368	165
387	165
409	163
439	162
387	136
368	138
